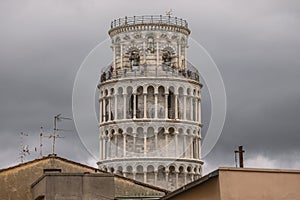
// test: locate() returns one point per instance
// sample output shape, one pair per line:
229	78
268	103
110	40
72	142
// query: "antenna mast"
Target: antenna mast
240	151
55	129
24	151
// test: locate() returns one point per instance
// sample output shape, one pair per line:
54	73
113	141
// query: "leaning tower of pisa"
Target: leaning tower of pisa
150	103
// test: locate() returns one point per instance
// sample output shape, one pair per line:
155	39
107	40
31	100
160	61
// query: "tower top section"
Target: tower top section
149	22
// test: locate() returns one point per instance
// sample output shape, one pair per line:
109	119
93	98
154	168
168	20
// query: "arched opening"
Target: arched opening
150	174
112	103
189	174
150	141
119	171
161	176
139	173
171	142
150	102
181	176
172	177
129	171
171	103
139	146
129	142
188	104
120	103
180	103
129	104
112	170
181	146
134	58
161	102
150	44
113	144
139	102
161	144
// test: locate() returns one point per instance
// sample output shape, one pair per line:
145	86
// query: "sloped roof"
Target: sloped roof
50	157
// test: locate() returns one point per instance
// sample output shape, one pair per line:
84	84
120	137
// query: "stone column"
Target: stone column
157	55
196	110
121	56
191	113
116	145
134	106
100	112
104	110
145	105
134	142
100	145
184	145
124	106
184	107
199	110
166	105
167	176
155	135
145	176
155	177
114	49
176	173
109	147
185	178
179	56
176	106
134	175
104	146
116	107
176	143
199	145
191	146
155	105
145	144
166	145
124	145
109	108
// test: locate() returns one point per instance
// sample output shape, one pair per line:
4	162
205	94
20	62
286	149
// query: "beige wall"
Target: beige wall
245	184
259	184
208	190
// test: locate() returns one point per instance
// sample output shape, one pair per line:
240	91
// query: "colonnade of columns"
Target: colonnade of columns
175	177
126	106
164	143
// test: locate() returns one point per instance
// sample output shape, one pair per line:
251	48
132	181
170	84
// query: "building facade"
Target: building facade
150	103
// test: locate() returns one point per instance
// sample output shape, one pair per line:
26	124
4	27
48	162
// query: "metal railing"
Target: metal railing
109	73
146	19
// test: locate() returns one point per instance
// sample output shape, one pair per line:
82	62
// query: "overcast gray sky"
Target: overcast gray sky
255	44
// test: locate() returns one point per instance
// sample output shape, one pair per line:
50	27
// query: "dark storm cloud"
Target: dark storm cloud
255	45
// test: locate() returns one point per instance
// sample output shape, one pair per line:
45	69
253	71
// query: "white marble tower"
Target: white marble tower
150	103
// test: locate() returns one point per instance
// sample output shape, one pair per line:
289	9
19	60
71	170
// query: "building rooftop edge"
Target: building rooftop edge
149	19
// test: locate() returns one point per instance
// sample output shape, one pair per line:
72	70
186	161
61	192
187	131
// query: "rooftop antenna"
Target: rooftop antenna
24	150
41	142
57	118
169	13
240	151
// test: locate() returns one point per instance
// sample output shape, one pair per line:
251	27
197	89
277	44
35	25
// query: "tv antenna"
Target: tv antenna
57	118
169	13
24	150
